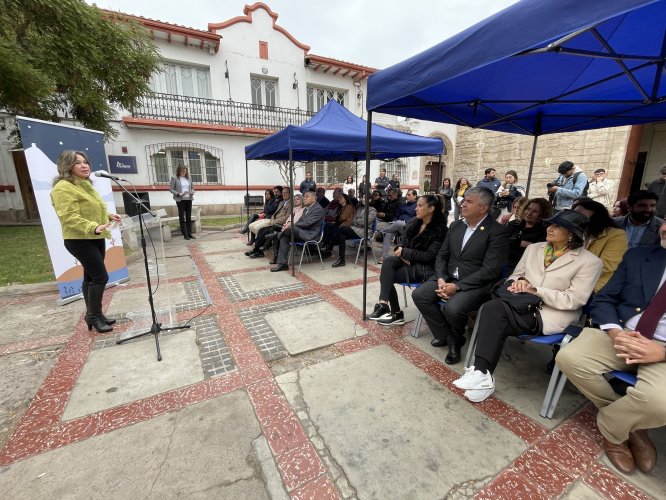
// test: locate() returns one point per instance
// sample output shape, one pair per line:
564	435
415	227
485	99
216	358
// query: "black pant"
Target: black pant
394	270
262	233
345	233
494	328
448	322
184	212
90	253
330	234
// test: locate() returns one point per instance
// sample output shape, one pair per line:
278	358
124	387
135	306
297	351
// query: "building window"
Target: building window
328	173
203	162
318	97
399	167
264	91
179	79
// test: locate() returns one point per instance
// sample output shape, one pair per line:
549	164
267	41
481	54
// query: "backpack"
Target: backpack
587	185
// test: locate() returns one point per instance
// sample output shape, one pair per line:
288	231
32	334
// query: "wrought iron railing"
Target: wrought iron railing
212	111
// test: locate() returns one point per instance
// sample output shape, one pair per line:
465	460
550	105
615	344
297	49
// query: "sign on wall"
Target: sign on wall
122	164
44	142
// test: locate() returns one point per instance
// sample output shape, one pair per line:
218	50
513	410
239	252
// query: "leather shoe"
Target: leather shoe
620	456
256	255
273	261
280	267
438	342
453	356
643	450
338	263
249	252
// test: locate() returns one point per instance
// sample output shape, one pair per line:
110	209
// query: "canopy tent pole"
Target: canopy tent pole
368	153
537	133
247	188
291	190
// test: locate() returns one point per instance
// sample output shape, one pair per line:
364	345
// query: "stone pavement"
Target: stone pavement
278	390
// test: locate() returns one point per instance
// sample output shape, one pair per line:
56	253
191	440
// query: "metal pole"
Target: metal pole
537	133
291	190
529	172
368	156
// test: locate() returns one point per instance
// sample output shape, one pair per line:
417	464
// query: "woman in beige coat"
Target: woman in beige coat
560	272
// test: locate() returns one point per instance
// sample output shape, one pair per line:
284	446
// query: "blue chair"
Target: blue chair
305	247
626	377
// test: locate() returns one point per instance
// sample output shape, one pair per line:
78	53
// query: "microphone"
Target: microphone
104	173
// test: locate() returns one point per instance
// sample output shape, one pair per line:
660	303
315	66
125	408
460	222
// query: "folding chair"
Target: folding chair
626	377
305	247
363	242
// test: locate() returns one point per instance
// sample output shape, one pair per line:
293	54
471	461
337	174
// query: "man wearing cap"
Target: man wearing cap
602	189
489	181
631	336
568	186
657	187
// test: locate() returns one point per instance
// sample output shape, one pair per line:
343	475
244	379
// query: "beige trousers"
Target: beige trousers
259	224
587	358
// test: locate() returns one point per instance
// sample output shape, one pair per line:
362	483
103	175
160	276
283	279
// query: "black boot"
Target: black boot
183	231
188	226
95	316
84	291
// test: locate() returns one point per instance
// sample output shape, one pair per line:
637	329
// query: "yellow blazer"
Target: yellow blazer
565	286
610	247
80	209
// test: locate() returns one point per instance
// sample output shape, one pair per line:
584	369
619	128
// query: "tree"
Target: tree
66	58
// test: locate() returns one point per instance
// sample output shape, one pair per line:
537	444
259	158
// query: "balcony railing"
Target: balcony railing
211	111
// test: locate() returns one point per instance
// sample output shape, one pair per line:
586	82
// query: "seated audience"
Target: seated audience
530	229
274	224
321	197
270	205
560	272
507	193
387	214
307	228
620	208
267	235
463	278
517	208
631	336
413	261
280	201
376	201
344	219
355	231
333	208
641	224
352	196
602	239
405	213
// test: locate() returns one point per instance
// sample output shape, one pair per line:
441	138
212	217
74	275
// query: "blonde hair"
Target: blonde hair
65	164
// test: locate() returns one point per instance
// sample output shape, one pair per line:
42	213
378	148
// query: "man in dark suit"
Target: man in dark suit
468	263
629	312
306	228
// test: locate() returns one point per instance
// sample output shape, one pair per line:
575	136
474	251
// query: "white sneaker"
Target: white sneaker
482	390
470	378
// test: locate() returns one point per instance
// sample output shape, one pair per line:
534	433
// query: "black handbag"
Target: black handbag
521	306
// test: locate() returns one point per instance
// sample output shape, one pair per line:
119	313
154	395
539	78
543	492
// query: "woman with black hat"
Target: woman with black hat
558	271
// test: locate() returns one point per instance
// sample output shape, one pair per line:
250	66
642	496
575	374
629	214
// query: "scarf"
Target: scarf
550	255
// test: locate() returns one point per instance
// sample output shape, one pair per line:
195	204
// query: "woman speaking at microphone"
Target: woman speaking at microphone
85	223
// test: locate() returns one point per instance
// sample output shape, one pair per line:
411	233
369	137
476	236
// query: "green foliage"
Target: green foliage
64	57
25	257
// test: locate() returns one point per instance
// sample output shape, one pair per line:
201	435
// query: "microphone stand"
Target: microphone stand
155	327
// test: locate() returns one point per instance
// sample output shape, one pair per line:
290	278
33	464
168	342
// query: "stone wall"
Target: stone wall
478	149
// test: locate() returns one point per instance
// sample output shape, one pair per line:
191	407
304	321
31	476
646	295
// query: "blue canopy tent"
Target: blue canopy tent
336	134
538	67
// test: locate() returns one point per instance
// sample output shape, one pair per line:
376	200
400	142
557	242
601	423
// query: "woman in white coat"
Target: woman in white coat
560	272
183	191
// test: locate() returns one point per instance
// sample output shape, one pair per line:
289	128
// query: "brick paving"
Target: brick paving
236	347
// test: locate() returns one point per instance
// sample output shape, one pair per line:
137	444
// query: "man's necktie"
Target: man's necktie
653	313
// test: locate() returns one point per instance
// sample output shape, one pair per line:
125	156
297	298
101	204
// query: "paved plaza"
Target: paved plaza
278	390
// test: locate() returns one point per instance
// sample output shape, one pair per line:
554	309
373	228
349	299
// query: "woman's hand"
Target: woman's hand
505	218
522	286
114	217
398	252
100	229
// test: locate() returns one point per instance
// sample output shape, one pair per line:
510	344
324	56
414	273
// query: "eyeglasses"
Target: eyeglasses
530	211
